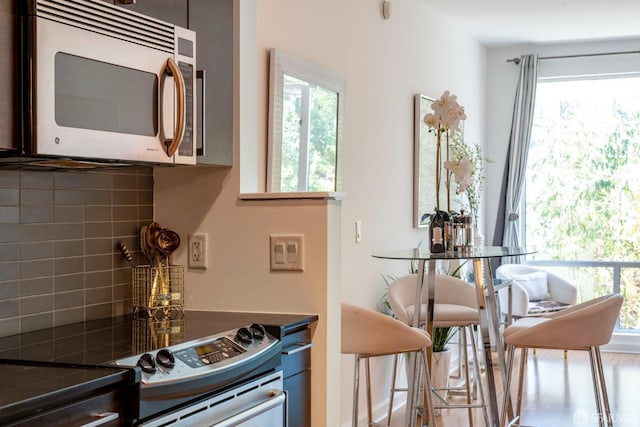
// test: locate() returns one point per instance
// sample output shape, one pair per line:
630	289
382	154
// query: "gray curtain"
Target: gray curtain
509	215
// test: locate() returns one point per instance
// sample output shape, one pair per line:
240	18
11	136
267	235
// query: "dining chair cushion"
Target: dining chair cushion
537	308
446	314
535	284
370	333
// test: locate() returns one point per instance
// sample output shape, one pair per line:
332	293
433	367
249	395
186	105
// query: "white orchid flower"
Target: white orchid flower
462	172
447	113
431	120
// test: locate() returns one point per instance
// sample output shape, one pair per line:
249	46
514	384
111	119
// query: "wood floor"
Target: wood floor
559	392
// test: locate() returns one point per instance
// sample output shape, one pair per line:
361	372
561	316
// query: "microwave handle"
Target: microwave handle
172	144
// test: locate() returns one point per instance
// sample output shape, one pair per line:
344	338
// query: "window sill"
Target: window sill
314	195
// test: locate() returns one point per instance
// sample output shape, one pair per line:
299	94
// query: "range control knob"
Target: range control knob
147	363
258	332
244	335
165	358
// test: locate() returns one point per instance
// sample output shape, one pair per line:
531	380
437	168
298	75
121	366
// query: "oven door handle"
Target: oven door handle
103	419
301	347
277	398
171	145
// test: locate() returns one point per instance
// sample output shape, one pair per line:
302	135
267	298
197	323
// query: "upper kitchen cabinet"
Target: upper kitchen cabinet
8	77
213	22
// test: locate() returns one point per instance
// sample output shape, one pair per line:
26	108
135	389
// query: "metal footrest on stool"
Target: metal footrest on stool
514	423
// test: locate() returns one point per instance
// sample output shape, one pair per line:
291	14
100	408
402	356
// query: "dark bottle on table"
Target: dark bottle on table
436	232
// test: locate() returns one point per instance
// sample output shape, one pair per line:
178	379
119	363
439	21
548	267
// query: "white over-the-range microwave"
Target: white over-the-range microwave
96	83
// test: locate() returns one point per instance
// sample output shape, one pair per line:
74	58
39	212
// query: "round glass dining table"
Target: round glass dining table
487	307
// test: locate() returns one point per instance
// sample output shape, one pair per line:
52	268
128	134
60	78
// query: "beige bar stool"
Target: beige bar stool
456	305
367	333
585	326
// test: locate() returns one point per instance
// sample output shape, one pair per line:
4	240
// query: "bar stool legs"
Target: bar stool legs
426	381
469	393
427	409
599	383
476	365
428	402
356	390
477	375
393	390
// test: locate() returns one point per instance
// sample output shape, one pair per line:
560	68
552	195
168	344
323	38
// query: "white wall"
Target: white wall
385	62
501	87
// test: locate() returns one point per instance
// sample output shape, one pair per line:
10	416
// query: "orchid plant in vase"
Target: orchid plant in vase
445	121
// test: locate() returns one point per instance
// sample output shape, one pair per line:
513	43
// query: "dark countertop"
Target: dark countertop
32	388
100	341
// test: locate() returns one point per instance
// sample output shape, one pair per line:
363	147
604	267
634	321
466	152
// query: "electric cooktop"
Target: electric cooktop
99	341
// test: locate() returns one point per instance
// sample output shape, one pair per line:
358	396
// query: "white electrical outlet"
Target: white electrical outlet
198	250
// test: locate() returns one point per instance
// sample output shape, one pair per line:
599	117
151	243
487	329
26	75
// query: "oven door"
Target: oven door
261	402
100	97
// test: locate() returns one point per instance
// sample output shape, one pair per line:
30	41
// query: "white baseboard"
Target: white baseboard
623	343
380	411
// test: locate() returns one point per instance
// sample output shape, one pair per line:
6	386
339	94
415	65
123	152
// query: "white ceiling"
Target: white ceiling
505	22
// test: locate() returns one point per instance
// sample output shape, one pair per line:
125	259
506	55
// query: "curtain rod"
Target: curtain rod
516	61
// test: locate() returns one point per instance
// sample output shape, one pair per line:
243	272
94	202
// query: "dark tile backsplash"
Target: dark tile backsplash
59	263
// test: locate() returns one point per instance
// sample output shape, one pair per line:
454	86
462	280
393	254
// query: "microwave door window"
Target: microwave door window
96	95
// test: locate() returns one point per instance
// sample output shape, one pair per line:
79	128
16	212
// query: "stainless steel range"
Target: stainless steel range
240	365
206	369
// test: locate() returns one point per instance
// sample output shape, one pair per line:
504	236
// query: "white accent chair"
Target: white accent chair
367	333
534	291
585	327
456	305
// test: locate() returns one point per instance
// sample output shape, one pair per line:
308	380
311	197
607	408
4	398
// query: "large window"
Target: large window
583	182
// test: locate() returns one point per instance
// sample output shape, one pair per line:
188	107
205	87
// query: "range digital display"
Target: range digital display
217	350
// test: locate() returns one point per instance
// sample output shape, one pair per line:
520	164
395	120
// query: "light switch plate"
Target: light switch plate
358	231
286	252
